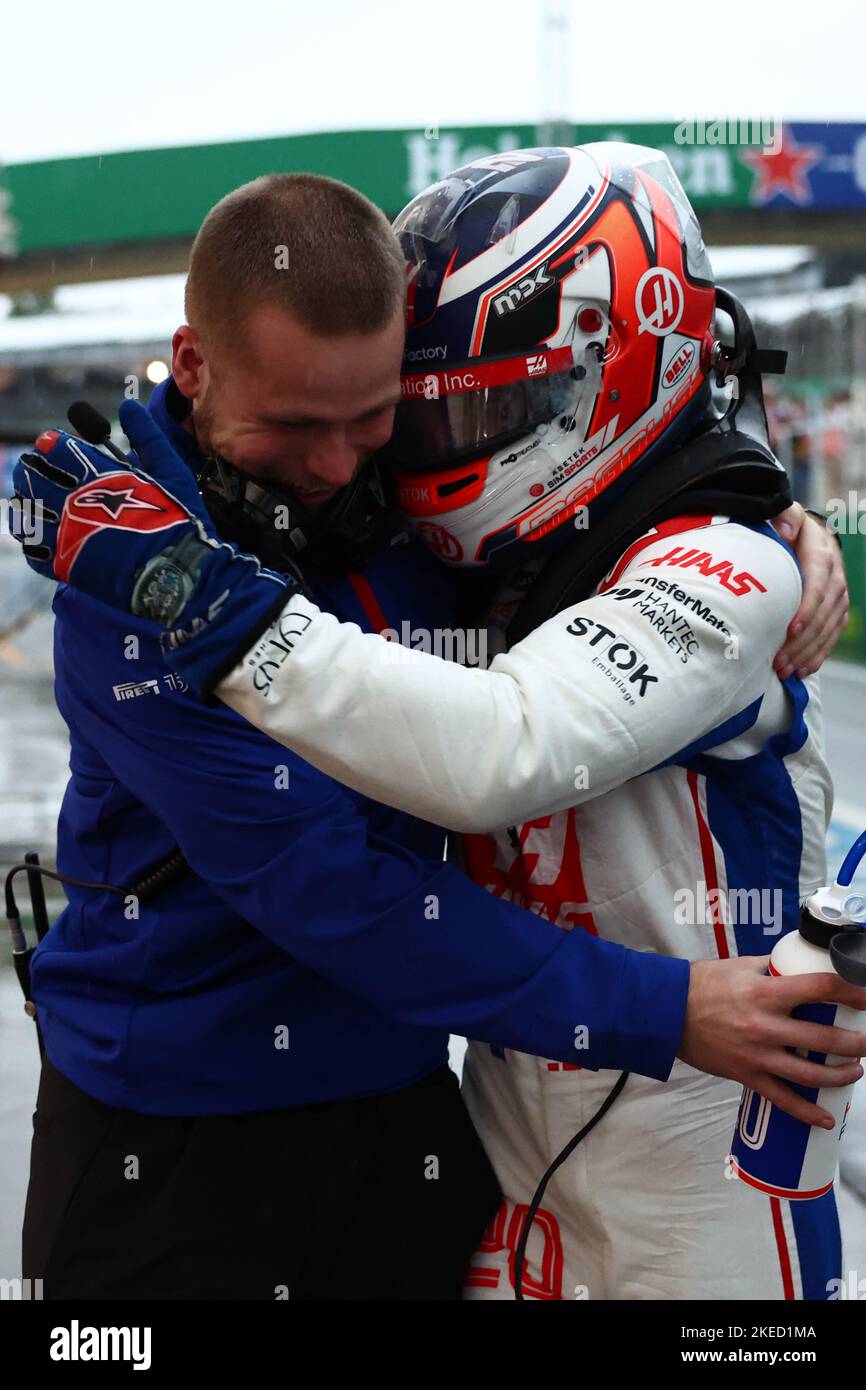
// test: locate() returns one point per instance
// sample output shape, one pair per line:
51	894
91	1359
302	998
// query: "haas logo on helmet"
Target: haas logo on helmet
440	541
658	301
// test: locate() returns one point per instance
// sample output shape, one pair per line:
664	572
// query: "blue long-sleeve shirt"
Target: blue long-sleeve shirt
319	947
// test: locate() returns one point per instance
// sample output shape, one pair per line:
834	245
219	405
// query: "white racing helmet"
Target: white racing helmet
560	309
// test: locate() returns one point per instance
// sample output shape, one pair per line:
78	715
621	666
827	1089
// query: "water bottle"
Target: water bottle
772	1151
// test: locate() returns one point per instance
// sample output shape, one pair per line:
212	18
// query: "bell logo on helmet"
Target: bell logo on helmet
679	365
658	301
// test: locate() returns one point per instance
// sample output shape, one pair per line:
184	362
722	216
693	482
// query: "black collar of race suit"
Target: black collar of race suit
725	468
342	535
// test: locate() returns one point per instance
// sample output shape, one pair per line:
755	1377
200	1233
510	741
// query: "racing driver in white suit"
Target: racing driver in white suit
629	764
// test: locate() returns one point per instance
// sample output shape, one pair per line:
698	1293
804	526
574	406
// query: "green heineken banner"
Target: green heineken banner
146	195
852	643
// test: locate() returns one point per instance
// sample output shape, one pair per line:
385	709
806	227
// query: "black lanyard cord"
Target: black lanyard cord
520	1252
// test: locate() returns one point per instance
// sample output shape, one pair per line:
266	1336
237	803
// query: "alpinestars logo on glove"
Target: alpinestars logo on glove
114	501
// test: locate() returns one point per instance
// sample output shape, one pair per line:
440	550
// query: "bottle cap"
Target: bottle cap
817	929
836	907
848	955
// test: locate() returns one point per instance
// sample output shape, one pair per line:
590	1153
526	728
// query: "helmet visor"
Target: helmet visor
482	406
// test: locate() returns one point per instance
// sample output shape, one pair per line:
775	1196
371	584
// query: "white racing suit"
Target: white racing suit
652	781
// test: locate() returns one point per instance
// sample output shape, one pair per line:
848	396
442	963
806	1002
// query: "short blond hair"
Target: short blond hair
304	243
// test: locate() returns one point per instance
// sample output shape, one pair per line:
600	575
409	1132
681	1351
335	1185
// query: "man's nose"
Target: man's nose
334	460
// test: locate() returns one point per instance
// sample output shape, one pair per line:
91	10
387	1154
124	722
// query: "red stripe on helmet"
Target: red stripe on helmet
478	376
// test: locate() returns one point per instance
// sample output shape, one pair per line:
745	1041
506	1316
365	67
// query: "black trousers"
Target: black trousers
380	1198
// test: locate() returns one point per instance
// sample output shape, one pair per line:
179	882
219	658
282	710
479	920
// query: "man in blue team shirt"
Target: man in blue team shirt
246	1093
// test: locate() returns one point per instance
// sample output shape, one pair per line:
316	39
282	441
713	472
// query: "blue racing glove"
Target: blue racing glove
141	540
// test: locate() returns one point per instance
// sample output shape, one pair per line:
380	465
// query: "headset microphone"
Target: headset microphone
94	428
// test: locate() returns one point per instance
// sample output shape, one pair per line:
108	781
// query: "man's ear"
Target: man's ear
188	366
